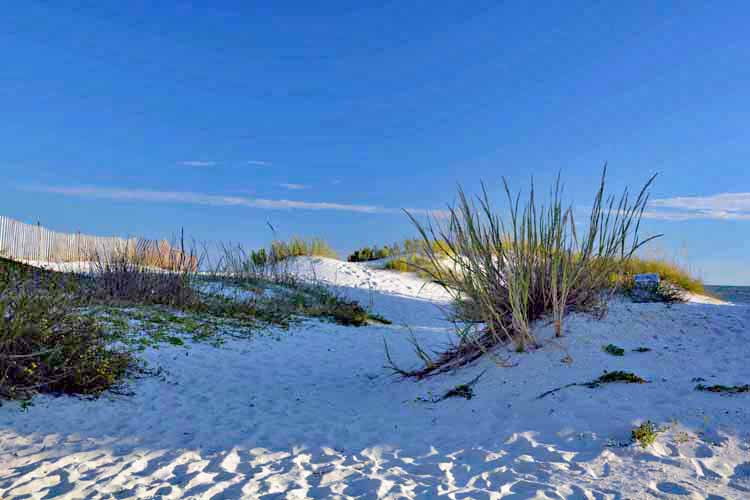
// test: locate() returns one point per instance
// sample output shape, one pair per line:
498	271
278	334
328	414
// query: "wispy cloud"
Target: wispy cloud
722	206
193	198
260	163
197	163
294	187
427	212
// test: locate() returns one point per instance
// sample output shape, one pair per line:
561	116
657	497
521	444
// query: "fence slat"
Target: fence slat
33	242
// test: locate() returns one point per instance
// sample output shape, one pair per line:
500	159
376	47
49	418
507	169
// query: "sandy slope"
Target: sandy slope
315	414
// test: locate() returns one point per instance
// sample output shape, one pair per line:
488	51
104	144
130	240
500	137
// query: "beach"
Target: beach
314	412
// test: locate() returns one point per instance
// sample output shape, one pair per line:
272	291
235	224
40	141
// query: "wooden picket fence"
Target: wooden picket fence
22	241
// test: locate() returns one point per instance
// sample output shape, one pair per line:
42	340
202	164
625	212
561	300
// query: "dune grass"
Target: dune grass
668	271
507	273
403	250
407	256
138	275
414	263
299	247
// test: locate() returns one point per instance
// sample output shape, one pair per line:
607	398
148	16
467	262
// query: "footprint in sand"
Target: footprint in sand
740	479
704	451
672	488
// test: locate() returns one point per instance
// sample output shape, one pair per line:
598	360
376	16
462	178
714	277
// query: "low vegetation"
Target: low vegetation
408	256
298	247
415	263
608	378
507	273
663	292
367	254
614	350
617	376
668	271
263	260
725	389
135	275
312	300
57	331
645	434
289	296
45	344
465	391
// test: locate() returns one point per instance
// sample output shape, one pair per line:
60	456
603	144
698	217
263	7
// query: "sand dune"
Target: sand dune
312	413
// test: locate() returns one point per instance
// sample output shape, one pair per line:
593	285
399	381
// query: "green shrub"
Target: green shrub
11	270
645	434
46	346
259	258
617	376
367	254
614	350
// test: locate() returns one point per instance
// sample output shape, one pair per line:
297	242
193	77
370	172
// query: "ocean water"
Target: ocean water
736	294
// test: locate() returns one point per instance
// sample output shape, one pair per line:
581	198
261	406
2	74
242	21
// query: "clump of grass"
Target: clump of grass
465	391
733	389
642	349
46	345
128	274
614	350
378	318
367	254
617	376
460	391
607	378
645	434
405	251
420	246
670	272
298	247
236	263
415	263
508	273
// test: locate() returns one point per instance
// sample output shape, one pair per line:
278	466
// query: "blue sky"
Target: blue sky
131	118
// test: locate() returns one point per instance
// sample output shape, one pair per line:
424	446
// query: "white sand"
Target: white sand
316	415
